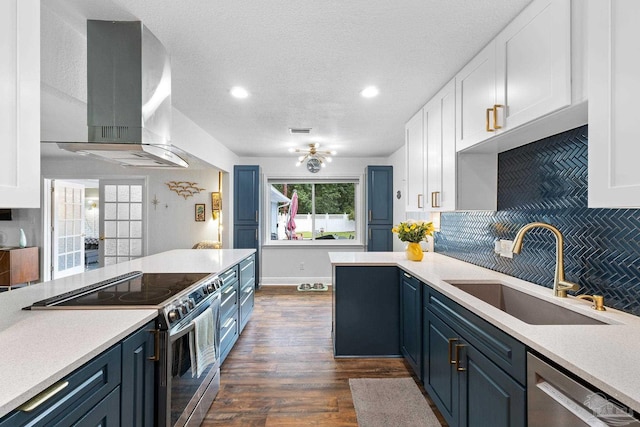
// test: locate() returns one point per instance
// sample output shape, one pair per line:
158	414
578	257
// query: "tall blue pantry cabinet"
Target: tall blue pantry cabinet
379	212
246	211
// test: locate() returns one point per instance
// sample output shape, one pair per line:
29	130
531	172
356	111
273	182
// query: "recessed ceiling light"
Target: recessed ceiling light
370	92
239	92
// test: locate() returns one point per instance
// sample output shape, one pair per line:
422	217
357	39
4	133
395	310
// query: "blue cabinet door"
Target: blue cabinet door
245	237
411	321
379	238
379	194
138	375
246	226
440	377
490	396
246	184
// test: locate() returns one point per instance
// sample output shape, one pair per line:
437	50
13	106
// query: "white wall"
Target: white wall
171	224
397	160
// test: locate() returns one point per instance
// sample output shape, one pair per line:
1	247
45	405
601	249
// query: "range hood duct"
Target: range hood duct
128	97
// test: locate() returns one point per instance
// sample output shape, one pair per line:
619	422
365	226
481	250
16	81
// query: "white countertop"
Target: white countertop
38	348
603	355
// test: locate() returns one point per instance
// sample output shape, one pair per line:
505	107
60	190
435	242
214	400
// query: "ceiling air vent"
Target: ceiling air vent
299	130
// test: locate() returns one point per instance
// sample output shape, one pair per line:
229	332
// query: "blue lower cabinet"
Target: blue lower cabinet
138	375
411	321
116	388
366	311
75	396
466	380
439	375
490	397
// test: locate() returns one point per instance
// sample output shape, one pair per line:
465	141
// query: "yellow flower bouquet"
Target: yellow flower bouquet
413	231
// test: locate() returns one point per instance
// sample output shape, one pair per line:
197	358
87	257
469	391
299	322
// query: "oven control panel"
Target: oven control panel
183	305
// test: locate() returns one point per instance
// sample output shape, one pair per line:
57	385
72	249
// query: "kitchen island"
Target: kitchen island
38	348
603	355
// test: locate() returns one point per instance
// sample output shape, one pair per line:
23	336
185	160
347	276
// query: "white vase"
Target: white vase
23	239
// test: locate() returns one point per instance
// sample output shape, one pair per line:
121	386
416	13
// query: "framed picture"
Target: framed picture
216	201
200	212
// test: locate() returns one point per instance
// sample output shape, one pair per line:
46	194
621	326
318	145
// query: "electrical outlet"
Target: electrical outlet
505	248
302	266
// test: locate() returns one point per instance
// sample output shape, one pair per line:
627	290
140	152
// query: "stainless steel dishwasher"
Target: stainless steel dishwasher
555	399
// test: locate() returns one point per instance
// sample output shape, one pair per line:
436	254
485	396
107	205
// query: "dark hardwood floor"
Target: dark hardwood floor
281	371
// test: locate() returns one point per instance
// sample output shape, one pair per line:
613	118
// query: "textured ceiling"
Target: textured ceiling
305	62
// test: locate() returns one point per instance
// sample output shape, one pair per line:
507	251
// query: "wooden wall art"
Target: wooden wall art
184	188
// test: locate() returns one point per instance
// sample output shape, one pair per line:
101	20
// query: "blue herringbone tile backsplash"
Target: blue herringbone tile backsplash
547	181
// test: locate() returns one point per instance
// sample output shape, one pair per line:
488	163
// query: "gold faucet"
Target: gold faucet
560	286
597	300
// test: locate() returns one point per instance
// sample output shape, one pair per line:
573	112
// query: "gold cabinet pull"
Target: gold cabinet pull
256	234
44	396
370	234
489	128
420	201
156	346
451	341
370	215
459	366
434	199
256	216
495	116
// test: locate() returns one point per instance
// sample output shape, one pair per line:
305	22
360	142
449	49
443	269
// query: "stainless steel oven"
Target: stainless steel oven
182	397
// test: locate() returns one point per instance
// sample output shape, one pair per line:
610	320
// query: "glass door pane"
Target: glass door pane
122	222
68	228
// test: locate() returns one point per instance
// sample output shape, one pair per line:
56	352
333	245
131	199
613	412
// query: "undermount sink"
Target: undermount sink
523	306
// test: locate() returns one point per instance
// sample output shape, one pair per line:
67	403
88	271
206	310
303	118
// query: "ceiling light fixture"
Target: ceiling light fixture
370	92
314	158
239	92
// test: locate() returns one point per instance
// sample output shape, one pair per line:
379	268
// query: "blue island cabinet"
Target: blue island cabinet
474	373
115	388
366	311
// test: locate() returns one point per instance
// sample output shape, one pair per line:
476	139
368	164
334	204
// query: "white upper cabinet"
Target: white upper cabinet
614	90
533	55
522	75
20	104
414	141
475	98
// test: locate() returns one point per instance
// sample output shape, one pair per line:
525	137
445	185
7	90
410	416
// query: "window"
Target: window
312	211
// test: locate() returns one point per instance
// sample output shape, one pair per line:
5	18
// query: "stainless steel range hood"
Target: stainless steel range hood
128	97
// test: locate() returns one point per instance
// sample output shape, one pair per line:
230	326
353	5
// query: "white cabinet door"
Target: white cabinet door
440	114
414	140
20	104
533	72
614	91
475	97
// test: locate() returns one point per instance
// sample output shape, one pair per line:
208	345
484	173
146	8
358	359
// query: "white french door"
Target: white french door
122	213
68	228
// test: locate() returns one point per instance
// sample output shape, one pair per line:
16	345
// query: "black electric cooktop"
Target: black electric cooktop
143	289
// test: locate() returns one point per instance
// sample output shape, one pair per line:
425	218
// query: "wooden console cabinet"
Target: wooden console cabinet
19	265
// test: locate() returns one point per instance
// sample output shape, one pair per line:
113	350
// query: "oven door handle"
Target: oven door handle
182	332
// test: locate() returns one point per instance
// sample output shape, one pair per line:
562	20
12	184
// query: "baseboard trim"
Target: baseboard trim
266	281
